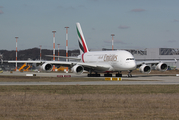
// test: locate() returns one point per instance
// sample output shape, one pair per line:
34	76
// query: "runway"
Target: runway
135	80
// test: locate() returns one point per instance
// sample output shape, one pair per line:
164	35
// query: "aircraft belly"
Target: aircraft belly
96	69
119	67
101	69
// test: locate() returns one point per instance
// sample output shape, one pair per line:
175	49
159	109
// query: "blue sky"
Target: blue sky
137	24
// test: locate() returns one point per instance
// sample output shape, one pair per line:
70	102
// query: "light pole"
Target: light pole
40	53
53	45
53	49
58	51
66	46
66	42
112	41
16	52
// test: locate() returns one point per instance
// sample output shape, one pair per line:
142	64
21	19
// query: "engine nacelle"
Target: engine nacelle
78	69
46	67
145	69
161	67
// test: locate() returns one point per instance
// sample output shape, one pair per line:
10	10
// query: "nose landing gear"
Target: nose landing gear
129	73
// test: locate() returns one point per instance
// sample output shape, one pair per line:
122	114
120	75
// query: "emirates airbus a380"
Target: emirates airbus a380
96	62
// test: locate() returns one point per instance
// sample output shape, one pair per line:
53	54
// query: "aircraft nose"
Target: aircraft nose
133	65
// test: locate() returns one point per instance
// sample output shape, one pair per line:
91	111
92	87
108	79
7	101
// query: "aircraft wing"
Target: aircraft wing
25	61
155	62
75	58
87	66
48	62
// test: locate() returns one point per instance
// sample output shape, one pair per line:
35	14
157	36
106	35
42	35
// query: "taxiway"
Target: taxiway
135	80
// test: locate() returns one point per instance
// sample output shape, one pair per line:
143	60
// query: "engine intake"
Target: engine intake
162	67
47	67
78	69
145	69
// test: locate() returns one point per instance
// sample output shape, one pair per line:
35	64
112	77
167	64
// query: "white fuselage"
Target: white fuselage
119	60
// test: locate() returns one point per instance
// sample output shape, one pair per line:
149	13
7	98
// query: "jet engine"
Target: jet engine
161	67
145	69
78	69
46	67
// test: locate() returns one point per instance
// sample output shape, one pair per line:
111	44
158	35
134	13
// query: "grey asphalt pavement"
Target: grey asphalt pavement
135	80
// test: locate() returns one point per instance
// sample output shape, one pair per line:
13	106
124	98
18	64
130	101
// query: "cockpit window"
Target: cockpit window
130	59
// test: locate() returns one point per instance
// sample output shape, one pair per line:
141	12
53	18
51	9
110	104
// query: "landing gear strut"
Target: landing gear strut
129	73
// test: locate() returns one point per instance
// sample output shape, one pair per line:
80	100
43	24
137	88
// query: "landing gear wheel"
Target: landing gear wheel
97	75
118	75
108	75
93	75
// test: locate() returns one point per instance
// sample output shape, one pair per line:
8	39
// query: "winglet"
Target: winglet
82	43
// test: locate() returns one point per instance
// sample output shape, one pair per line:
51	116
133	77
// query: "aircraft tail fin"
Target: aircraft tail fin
81	40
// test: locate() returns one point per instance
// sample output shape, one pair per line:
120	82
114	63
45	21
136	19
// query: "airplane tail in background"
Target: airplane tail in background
82	43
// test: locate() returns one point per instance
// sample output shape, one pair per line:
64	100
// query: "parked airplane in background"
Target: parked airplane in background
96	62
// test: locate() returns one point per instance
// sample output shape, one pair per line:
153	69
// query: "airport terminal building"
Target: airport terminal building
162	54
152	54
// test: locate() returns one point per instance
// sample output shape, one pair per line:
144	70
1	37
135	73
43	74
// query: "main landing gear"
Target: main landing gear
119	74
108	75
93	75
